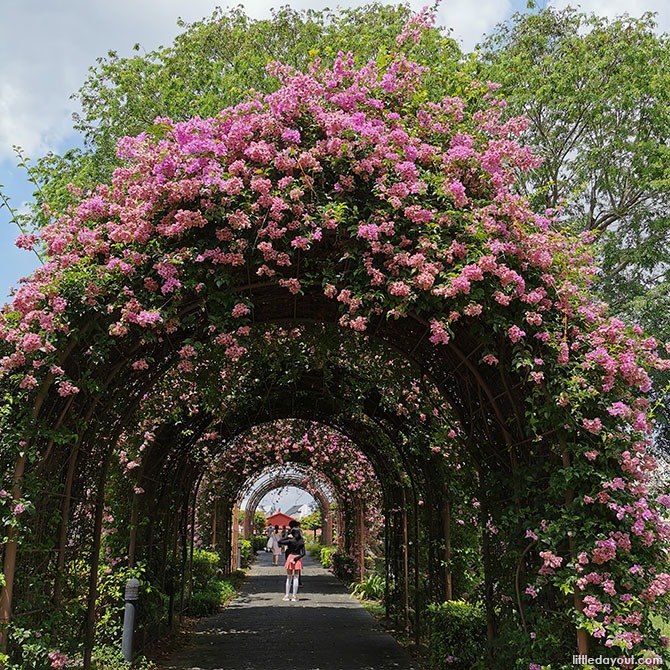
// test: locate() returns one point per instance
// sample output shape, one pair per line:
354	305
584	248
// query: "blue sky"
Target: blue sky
47	47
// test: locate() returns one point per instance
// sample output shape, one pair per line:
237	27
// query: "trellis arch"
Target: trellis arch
346	202
255	493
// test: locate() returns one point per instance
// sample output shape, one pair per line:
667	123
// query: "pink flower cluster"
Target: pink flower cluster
416	199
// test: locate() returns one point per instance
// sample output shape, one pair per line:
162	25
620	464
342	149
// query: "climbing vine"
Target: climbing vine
346	202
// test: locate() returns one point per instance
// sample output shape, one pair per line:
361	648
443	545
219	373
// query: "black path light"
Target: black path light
132	596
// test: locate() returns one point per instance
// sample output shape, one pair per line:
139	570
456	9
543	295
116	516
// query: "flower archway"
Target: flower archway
300	477
310	455
345	250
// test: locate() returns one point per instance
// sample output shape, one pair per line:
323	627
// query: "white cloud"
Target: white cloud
470	21
612	8
46	48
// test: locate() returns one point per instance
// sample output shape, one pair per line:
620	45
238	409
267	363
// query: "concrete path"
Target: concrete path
325	630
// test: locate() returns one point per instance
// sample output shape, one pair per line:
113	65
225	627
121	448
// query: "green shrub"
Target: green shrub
258	542
325	556
205	567
28	649
314	549
371	588
344	567
457	635
111	603
245	553
111	658
207	601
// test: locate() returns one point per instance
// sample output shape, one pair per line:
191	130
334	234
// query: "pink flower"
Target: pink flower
551	561
399	288
592	425
25	241
515	333
533	318
240	310
31	342
293	285
619	409
593	606
605	551
360	323
65	388
457	191
473	309
659	586
291	135
28	382
147	318
58	659
439	334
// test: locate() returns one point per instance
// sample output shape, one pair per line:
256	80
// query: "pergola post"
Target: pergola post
248	524
446	529
326	526
9	565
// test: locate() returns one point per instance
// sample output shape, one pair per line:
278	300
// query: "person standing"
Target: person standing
268	532
295	527
275	547
295	550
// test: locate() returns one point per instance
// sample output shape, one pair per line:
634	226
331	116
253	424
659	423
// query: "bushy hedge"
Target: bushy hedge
208	592
246	553
325	556
457	635
344	567
208	600
204	568
259	542
372	587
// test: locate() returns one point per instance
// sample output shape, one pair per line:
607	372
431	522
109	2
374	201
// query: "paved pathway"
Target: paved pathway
325	630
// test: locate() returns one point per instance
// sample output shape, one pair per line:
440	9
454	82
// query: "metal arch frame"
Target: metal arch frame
294	477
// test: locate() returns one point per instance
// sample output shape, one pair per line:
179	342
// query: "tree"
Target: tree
260	521
312	522
402	223
218	61
597	94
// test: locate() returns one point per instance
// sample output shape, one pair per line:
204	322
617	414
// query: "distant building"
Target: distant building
300	511
280	519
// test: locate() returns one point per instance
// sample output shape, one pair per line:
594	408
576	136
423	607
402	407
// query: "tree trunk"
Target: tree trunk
446	526
9	566
89	631
582	634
